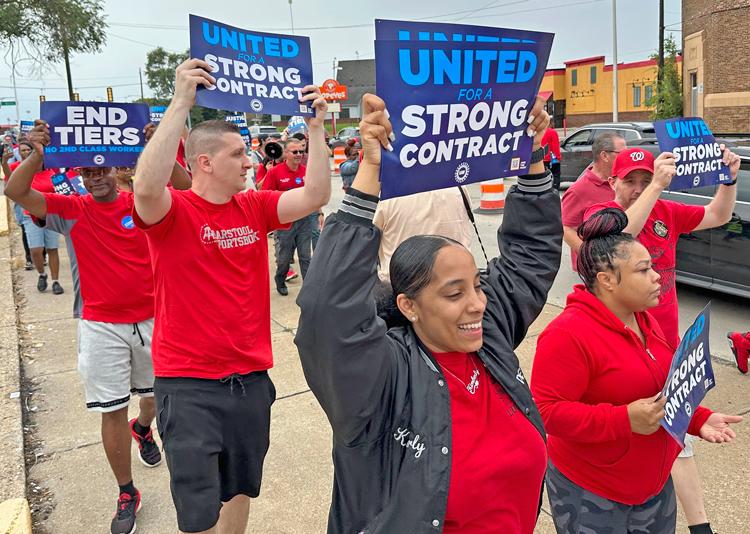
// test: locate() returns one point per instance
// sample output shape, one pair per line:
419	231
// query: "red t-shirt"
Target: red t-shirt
587	191
282	178
42	181
114	265
660	235
551	140
498	459
212	289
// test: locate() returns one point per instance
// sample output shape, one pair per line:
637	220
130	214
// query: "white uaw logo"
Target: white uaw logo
98	159
637	156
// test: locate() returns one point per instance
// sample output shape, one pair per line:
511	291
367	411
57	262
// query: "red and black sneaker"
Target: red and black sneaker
148	450
740	345
127	507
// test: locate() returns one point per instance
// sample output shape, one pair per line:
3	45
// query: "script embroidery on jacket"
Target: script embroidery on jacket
402	437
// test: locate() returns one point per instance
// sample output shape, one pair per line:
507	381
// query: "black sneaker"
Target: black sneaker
57	288
41	285
124	520
29	265
283	291
148	450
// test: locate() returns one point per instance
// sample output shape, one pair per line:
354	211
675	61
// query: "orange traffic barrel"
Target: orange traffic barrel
255	144
338	158
493	197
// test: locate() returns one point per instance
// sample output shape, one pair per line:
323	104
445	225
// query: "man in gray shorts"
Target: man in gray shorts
114	333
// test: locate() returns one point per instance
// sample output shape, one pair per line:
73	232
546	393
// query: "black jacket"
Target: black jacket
386	399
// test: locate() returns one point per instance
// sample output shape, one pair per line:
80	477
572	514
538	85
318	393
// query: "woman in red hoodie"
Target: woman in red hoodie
598	372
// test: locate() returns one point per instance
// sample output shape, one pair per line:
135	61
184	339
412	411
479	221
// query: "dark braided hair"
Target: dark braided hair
602	236
411	271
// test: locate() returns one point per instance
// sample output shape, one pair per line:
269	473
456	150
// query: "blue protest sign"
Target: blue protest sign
94	134
697	154
255	72
68	183
690	377
241	122
296	124
26	126
157	113
458	97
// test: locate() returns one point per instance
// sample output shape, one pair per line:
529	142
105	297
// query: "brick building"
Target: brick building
581	92
716	75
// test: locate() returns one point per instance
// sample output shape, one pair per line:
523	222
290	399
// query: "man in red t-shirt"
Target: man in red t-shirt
115	330
212	335
284	177
591	188
552	156
638	180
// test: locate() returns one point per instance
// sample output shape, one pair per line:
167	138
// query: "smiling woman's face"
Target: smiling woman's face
450	307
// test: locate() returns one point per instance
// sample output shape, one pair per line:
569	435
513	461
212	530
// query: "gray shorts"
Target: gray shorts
578	511
114	360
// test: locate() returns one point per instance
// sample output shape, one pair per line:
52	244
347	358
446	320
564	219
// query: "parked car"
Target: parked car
343	136
719	258
576	150
256	130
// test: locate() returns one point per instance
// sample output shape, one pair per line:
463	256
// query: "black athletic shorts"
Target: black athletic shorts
215	435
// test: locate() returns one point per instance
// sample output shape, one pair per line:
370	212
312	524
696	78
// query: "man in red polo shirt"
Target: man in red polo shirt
638	180
590	189
284	177
114	333
212	335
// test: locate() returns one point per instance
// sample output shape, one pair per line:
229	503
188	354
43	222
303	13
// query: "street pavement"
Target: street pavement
78	492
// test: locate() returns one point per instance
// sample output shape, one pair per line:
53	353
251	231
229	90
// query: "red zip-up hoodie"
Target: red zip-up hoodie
588	367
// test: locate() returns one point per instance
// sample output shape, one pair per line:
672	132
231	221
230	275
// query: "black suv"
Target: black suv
576	153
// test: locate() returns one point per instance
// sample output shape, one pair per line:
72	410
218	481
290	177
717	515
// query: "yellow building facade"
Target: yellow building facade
581	93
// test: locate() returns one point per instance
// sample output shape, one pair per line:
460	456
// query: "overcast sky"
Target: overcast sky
344	30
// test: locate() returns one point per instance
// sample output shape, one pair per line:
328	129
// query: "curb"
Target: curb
12	462
15	517
4	215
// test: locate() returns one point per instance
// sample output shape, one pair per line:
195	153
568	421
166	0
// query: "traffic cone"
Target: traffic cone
338	158
493	197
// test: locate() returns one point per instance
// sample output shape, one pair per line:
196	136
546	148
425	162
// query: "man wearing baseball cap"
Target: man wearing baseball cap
638	180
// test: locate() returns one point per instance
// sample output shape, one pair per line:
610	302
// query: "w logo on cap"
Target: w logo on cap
637	155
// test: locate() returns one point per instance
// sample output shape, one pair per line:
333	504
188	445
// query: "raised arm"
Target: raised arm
530	242
298	203
664	171
346	354
18	187
155	166
719	210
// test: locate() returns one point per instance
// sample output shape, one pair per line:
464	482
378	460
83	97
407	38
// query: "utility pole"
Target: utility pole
140	77
291	15
615	103
660	61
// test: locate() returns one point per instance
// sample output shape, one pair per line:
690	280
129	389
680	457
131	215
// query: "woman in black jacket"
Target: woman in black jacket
433	423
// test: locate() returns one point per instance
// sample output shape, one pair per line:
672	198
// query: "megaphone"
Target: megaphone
273	150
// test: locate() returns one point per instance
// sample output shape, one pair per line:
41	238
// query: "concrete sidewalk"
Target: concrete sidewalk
78	491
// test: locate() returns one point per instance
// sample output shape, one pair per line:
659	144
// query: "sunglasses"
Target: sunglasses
296	152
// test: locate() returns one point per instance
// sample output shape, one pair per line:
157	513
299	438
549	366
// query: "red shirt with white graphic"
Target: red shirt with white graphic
282	178
213	315
114	265
498	457
660	234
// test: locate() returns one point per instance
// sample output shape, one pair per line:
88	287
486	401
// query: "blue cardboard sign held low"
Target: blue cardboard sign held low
697	154
690	377
459	97
26	126
255	72
94	134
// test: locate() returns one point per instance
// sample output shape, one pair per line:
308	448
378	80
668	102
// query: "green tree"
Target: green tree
160	67
53	30
668	97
